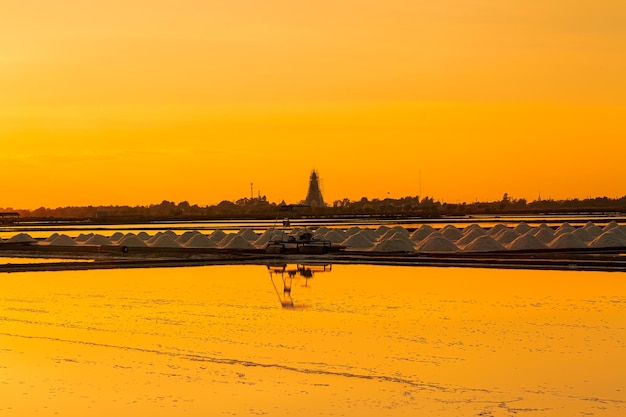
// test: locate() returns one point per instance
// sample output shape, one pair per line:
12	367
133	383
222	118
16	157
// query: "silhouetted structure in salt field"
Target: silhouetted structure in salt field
314	196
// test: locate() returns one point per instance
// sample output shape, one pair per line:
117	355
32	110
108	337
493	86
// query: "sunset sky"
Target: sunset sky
138	101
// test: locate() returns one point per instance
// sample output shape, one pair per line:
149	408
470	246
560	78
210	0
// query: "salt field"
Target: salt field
448	238
359	340
541	332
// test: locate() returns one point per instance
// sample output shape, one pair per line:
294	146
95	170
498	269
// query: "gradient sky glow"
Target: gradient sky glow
139	101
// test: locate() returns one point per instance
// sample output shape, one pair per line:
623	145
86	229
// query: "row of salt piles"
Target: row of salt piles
472	238
244	238
382	239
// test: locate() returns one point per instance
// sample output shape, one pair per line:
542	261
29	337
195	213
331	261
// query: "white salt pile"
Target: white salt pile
265	237
63	240
385	236
506	236
217	235
620	231
401	229
435	233
83	237
526	242
545	235
395	244
522	228
165	241
593	230
484	243
390	234
52	237
226	240
143	236
352	231
451	233
171	233
564	228
21	238
567	240
532	231
496	229
151	239
436	242
544	225
370	233
279	235
582	234
131	240
248	234
382	229
608	239
401	236
116	236
472	227
335	236
358	241
469	237
612	225
422	233
320	232
200	241
184	238
98	240
238	242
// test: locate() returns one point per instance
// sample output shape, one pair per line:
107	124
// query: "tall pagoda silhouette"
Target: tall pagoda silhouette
314	196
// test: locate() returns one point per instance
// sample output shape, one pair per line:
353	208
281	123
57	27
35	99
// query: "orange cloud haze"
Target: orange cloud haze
138	101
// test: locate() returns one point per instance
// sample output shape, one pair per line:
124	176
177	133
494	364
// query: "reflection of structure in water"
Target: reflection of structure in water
286	274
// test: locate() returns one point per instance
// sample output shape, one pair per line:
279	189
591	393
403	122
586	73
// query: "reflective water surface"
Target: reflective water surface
22	260
355	340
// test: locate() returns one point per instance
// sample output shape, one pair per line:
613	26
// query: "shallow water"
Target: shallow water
23	260
359	340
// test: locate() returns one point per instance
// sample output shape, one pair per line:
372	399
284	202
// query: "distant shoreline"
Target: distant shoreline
424	207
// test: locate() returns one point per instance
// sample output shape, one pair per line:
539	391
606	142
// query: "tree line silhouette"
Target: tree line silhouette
260	208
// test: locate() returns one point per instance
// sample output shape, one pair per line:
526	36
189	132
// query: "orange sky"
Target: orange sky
139	101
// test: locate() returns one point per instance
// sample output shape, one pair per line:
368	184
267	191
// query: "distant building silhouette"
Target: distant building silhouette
314	196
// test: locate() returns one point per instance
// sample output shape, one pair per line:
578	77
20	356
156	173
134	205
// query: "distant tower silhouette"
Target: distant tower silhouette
314	196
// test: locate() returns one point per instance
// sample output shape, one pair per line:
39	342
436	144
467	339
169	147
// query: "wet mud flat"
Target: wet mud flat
112	257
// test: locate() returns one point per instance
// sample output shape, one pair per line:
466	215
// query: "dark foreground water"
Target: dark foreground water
359	340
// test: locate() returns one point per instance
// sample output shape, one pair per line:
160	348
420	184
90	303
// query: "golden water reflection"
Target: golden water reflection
284	277
371	340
